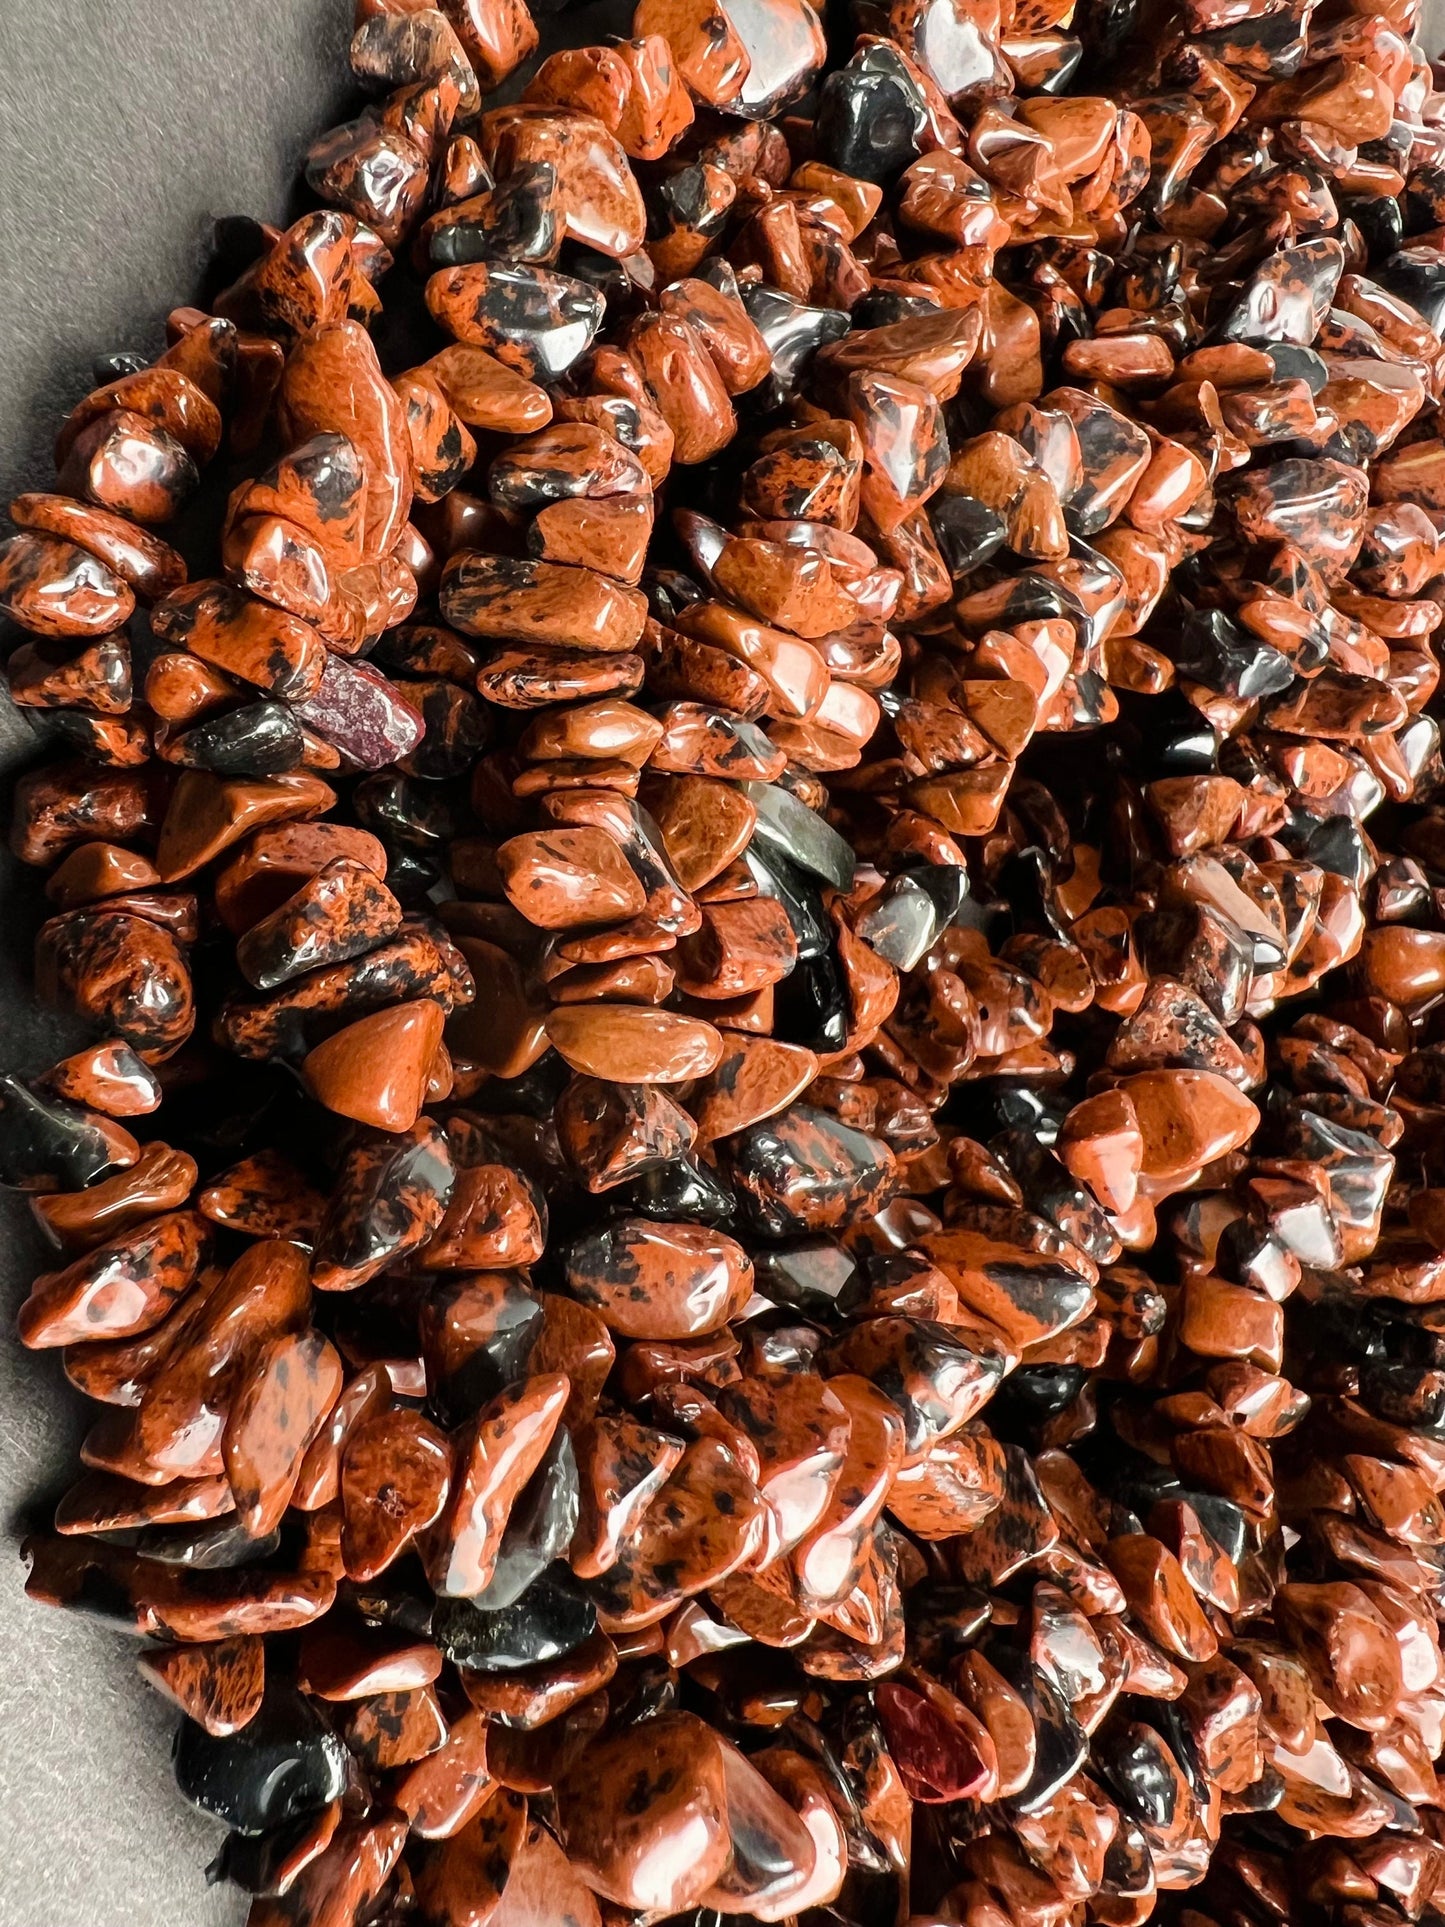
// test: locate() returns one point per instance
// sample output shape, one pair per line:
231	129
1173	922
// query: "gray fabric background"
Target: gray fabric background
126	128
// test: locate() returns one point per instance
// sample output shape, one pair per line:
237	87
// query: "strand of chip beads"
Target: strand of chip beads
944	500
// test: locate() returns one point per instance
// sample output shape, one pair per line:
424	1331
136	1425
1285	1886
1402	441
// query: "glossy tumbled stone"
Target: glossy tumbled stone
53	675
339	913
124	462
628	1044
539	1527
773	1853
940	1759
467	1877
566	877
448	1786
395	1728
208	813
378	174
360	713
219	1686
150	566
497	1215
807	1171
532	320
108	1077
50	1145
1160	1596
651	1280
831	1558
1186	1118
349	1874
395	1474
122	1287
391	1194
284	1762
541	604
377	1069
647	1824
713	743
599	199
244	637
273	864
952	1489
551	1619
1319	505
333	385
756	1078
622	1465
871	115
705	825
318	487
1351	1660
485	393
119	1190
54	588
1288	295
742	947
939	1375
1103	1146
684	384
123	972
800	1429
616	1132
276	1411
503	1447
707	1521
905	447
478	1334
800	834
161	1597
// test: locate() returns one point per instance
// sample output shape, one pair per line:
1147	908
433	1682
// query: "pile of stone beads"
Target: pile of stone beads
752	1191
